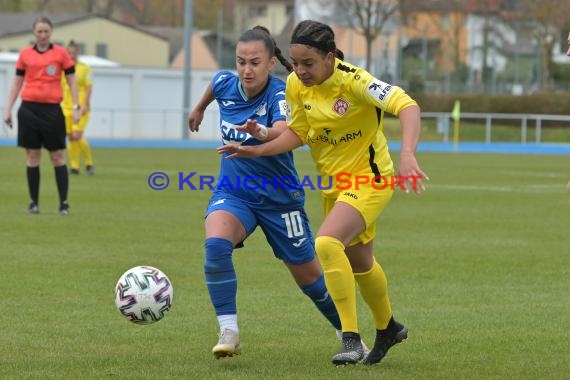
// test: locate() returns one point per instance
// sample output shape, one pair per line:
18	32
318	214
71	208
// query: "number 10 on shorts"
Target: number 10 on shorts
294	223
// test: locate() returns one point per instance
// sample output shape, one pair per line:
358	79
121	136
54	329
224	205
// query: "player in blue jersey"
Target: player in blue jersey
262	192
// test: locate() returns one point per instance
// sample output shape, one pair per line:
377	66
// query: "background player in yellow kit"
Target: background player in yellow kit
337	110
78	144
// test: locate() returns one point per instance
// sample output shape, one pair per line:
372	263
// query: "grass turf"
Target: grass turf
478	269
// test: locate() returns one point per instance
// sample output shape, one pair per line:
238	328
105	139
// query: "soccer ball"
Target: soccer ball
143	295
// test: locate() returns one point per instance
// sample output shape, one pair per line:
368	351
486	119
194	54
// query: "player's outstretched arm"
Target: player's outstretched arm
261	132
409	167
197	114
285	142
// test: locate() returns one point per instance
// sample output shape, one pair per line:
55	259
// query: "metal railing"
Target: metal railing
167	124
443	122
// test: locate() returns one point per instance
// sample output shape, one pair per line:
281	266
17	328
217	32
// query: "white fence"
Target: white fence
525	121
139	103
135	103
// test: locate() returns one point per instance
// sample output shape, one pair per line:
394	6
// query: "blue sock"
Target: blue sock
220	275
317	292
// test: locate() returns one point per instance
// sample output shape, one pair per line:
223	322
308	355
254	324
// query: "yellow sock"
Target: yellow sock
374	289
73	149
339	280
86	151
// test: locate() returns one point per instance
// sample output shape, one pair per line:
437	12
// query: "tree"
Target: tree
368	18
547	18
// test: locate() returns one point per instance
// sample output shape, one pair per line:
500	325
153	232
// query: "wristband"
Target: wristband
76	107
263	132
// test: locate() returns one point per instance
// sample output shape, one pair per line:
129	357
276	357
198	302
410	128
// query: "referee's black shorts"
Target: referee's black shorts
41	125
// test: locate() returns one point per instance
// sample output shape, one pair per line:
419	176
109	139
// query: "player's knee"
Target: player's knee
317	290
218	254
328	248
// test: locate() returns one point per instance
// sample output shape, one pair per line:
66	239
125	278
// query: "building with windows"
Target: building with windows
97	36
273	14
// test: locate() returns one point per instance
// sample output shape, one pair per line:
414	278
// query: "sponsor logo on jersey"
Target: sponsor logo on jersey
262	109
340	106
221	77
230	135
379	90
227	103
288	115
334	140
283	108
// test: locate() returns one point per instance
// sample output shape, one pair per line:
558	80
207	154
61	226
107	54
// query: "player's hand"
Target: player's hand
8	118
238	151
84	109
76	116
415	176
195	119
259	131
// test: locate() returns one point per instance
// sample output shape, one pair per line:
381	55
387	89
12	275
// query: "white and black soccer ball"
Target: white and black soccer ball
143	294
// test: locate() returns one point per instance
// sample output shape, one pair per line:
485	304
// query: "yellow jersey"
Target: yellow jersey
341	121
83	80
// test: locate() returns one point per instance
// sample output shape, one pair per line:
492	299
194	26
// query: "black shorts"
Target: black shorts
41	124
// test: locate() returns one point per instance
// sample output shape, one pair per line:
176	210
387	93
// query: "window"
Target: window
258	10
81	48
101	50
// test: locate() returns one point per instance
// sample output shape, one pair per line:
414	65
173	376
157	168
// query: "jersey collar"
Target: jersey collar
244	96
50	46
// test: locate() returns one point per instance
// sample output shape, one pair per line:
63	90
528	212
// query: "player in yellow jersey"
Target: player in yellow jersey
337	110
78	144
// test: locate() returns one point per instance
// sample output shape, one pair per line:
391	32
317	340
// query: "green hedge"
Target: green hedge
543	103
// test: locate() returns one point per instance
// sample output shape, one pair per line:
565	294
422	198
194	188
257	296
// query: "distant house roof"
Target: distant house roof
19	23
201	57
174	36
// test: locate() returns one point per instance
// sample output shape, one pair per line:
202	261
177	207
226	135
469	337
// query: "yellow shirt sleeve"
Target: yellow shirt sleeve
388	97
296	118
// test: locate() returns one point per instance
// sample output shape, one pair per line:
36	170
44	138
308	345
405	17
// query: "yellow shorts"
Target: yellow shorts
369	201
70	127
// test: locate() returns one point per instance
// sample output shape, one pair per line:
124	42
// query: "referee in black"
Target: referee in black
40	119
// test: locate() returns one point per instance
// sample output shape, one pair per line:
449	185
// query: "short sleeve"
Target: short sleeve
296	120
67	62
277	103
385	96
220	82
20	63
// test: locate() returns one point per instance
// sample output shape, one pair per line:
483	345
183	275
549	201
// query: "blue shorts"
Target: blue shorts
287	231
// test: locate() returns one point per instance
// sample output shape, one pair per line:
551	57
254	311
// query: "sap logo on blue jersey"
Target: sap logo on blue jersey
230	135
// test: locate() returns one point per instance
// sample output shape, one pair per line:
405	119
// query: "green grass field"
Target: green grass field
478	268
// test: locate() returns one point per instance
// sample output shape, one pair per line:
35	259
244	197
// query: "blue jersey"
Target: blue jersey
262	181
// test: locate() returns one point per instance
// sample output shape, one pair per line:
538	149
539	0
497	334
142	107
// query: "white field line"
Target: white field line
542	188
535	174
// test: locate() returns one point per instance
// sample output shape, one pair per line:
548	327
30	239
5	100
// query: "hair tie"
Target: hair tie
307	41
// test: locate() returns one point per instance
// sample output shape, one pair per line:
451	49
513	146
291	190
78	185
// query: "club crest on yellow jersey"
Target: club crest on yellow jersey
340	106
